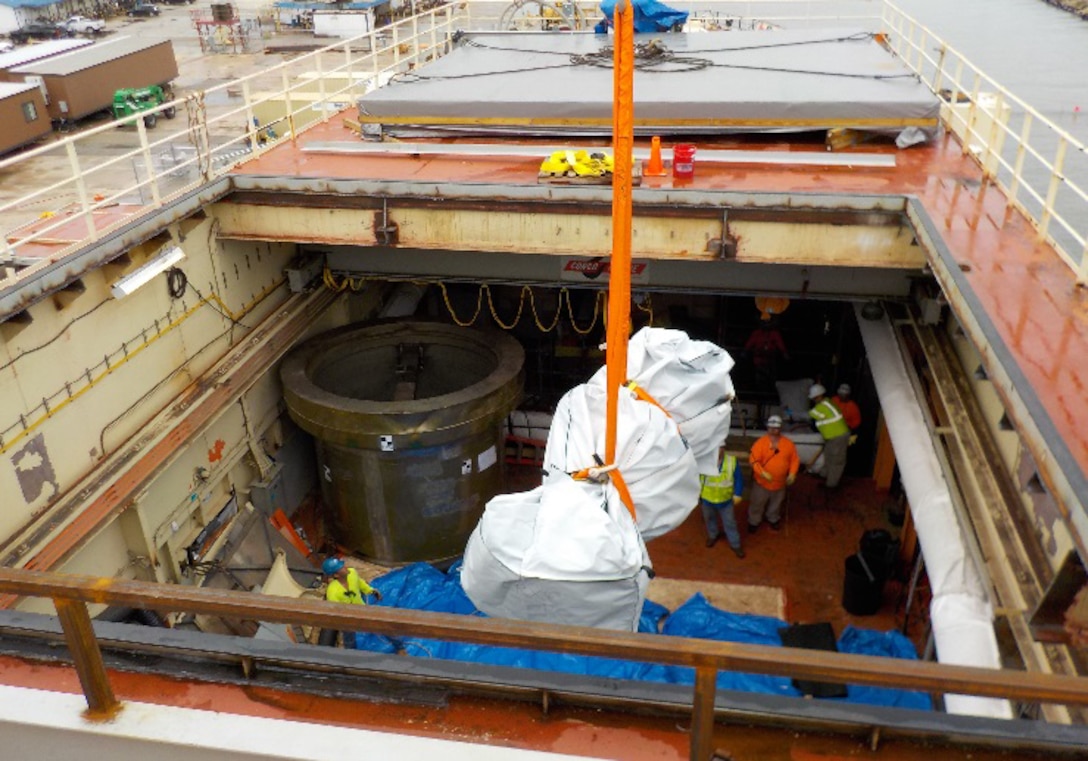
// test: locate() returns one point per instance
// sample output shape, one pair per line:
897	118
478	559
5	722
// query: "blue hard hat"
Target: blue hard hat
332	566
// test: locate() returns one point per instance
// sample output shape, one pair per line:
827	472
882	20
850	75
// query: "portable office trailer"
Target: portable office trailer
83	82
28	54
23	118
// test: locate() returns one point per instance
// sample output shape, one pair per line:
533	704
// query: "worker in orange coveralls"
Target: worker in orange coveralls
774	464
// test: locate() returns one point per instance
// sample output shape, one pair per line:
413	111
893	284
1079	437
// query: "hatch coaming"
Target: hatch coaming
170	503
849	231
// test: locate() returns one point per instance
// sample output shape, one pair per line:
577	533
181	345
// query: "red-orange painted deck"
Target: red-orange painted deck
1024	288
563	729
72	229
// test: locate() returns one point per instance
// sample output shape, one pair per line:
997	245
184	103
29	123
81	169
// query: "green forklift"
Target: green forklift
131	101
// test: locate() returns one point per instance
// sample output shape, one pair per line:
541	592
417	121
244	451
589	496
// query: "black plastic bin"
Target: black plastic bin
879	550
862	589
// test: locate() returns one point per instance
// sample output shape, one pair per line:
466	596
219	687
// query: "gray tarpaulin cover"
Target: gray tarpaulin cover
568	551
708	82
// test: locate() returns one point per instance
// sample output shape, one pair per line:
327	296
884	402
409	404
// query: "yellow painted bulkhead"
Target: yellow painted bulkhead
80	381
555	230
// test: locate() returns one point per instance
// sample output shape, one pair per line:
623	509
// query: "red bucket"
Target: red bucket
683	160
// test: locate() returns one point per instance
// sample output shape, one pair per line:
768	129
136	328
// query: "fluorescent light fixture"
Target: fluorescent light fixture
146	272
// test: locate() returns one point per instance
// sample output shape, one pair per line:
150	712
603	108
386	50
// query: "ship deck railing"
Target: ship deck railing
71	594
100	187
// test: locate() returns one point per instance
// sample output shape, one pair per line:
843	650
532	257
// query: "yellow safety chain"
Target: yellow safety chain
536	317
346	282
449	307
342	285
495	315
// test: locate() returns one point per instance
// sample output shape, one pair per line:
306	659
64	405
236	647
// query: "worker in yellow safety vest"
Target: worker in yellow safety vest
344	585
834	430
718	496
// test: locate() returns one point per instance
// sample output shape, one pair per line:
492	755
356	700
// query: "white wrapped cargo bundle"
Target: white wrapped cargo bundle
558	554
690	379
568	551
653	458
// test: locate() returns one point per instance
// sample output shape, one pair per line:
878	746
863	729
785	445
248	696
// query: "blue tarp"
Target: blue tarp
423	587
650	16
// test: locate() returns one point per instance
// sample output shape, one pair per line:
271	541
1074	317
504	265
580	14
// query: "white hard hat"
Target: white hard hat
774	421
844	389
816	390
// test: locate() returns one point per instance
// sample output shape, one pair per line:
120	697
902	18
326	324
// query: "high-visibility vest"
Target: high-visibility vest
719	488
829	421
355	592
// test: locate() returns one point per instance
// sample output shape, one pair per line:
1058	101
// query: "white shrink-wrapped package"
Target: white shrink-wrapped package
652	457
690	379
558	554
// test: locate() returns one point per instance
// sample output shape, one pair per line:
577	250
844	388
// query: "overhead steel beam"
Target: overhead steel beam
839	238
582	194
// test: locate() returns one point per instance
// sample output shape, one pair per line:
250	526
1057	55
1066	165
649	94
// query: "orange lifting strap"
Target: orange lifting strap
619	283
644	395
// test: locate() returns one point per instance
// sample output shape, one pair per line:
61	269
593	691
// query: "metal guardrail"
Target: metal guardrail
1030	158
1037	165
71	594
90	191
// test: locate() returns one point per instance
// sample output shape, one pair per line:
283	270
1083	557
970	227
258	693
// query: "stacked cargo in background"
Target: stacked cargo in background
82	82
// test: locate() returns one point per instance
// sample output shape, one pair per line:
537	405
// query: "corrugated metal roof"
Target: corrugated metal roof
8	89
38	51
85	58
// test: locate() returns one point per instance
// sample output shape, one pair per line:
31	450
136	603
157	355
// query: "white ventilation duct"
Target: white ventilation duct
961	613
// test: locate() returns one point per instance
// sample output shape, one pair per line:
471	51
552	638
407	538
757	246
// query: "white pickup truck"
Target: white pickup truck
84	25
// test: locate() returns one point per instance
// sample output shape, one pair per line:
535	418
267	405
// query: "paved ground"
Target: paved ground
198	71
103	156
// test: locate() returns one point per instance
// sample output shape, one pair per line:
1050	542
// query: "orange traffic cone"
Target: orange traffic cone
654	167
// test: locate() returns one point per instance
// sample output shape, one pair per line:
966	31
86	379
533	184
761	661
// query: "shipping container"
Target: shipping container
83	82
23	117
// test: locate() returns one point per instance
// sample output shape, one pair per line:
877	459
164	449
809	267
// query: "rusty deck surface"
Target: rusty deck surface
1020	287
71	229
593	733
